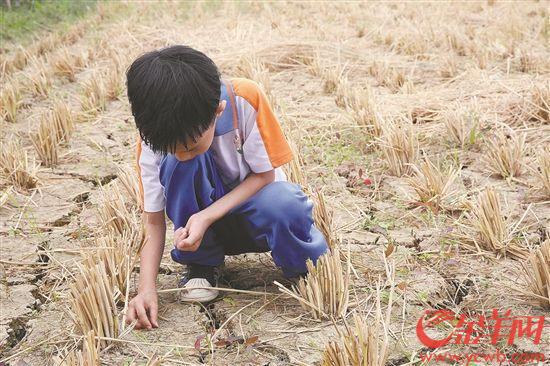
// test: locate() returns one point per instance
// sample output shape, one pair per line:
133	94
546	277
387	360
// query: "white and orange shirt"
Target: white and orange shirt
247	138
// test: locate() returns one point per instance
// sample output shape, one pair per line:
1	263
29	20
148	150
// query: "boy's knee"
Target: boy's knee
283	199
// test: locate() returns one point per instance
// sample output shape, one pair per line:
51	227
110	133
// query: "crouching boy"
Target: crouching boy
209	157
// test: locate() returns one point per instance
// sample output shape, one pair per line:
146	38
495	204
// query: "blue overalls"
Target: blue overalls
278	218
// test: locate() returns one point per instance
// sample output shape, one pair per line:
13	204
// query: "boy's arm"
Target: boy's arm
144	307
189	238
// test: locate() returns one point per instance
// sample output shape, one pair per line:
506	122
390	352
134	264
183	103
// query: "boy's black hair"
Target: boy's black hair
174	93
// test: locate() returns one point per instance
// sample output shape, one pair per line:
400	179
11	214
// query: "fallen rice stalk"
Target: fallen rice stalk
399	147
325	290
15	165
435	188
537	274
505	154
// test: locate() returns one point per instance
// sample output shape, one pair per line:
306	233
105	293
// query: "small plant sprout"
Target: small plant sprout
505	153
15	165
324	293
436	188
399	146
536	270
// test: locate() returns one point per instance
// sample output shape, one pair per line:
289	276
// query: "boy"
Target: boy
209	156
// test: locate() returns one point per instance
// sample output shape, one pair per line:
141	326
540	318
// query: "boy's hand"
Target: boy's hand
189	237
144	308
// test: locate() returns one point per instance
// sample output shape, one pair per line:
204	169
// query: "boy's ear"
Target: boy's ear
221	108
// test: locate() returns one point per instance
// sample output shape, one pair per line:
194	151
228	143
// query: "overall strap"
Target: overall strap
231	94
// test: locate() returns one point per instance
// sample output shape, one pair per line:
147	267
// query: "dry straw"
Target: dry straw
120	254
364	343
399	146
255	69
324	292
93	300
361	344
15	165
45	142
113	210
537	273
540	102
62	120
129	180
505	153
88	356
94	98
359	103
10	101
436	188
67	65
543	170
114	78
5	195
322	216
462	124
41	82
492	231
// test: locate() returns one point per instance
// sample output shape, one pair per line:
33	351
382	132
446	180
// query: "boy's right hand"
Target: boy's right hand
144	309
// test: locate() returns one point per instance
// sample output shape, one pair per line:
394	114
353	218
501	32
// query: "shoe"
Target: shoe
198	276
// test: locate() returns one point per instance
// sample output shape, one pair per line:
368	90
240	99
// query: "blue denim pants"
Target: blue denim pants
278	218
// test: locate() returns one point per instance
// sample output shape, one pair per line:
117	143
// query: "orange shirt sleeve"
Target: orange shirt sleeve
276	145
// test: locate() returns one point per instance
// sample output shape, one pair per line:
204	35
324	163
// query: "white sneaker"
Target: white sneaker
201	294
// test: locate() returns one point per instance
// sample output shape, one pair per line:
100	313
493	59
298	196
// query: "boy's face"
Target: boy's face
202	144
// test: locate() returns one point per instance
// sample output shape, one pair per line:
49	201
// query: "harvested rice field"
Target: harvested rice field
421	131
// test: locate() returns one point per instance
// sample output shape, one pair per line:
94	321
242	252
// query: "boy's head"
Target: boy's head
174	93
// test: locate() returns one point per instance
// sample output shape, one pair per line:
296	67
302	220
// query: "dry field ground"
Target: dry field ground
420	129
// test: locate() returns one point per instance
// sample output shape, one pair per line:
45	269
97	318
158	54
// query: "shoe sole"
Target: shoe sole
199	299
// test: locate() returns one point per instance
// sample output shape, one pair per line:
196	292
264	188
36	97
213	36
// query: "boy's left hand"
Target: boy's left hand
189	238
